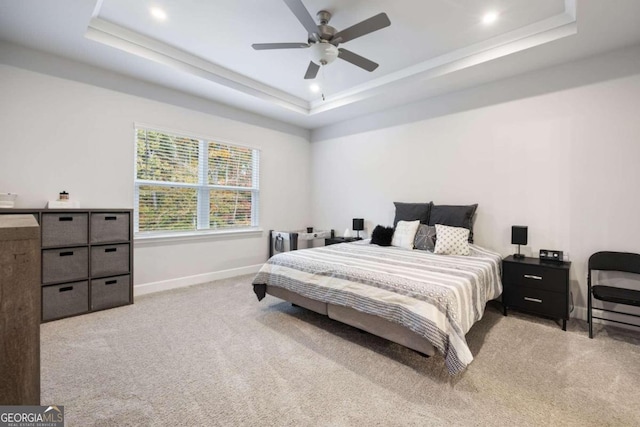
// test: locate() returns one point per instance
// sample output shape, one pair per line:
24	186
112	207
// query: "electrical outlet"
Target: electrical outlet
565	256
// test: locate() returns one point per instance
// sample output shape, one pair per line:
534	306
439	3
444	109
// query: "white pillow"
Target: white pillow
451	240
405	233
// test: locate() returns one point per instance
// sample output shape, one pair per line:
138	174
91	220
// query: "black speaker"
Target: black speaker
519	237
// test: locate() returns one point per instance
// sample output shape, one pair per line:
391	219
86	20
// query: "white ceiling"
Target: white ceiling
432	46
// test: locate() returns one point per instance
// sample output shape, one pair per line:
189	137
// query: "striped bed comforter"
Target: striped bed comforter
436	296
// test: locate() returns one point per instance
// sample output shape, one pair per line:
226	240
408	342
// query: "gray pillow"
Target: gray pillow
412	212
425	238
454	216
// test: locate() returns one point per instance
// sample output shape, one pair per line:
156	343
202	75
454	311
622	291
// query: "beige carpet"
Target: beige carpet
213	355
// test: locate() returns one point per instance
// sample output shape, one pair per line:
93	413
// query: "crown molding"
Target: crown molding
538	33
116	36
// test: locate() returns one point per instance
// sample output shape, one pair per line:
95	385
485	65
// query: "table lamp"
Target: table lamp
358	225
518	237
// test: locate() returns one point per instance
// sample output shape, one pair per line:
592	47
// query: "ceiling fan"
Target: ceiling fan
324	39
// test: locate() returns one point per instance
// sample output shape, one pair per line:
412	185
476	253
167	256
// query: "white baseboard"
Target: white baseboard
581	313
197	279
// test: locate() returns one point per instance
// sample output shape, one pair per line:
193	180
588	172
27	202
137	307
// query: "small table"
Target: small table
539	287
292	237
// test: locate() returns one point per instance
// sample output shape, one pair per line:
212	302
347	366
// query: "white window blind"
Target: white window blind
187	184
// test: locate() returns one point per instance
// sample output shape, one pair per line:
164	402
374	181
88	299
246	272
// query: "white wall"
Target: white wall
63	135
565	163
556	150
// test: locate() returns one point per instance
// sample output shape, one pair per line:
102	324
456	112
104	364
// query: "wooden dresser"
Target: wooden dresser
19	310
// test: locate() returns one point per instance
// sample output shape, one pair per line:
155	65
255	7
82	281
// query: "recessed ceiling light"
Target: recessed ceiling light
158	13
314	87
489	18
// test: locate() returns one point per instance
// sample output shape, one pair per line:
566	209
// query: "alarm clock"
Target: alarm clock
550	255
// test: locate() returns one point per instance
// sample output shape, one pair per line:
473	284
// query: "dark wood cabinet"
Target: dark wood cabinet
336	240
538	287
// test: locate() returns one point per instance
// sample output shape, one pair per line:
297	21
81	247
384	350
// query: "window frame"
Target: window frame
202	187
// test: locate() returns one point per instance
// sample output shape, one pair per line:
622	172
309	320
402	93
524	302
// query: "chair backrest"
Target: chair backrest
615	261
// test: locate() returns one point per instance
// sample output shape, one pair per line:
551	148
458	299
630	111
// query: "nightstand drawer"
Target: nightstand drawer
538	277
537	301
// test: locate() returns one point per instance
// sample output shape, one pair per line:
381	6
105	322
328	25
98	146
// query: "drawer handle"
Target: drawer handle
110	282
111	249
66	289
70	253
531	276
110	218
539	301
65	218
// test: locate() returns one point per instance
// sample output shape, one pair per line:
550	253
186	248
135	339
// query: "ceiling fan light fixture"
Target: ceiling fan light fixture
323	39
323	53
314	87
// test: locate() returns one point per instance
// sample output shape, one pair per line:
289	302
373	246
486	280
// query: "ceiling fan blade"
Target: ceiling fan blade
303	16
312	71
357	60
266	46
365	27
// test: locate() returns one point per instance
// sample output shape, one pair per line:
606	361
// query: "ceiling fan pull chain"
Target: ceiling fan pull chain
322	83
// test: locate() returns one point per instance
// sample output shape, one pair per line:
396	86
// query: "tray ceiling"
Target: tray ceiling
204	47
213	40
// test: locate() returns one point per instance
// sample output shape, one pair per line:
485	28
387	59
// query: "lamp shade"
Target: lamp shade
358	224
519	235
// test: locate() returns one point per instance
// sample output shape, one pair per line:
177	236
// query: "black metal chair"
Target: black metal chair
612	261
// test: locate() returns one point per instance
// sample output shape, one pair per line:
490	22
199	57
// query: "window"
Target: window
189	184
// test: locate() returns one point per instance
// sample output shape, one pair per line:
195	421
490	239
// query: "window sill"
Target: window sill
141	240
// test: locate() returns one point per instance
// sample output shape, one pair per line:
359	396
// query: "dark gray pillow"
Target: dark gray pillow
425	238
412	212
382	235
454	216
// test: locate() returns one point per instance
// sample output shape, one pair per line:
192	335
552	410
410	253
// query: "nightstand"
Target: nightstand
538	287
335	240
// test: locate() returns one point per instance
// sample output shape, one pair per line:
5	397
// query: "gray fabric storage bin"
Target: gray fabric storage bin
109	260
65	300
109	227
62	265
110	292
64	229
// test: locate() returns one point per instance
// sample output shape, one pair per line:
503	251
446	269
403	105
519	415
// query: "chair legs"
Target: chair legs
589	308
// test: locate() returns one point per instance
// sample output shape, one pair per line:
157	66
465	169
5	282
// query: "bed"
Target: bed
423	301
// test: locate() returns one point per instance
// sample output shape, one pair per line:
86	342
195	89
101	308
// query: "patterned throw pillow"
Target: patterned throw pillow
405	234
452	240
425	238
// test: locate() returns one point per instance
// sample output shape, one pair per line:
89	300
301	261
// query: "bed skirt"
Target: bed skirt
373	324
